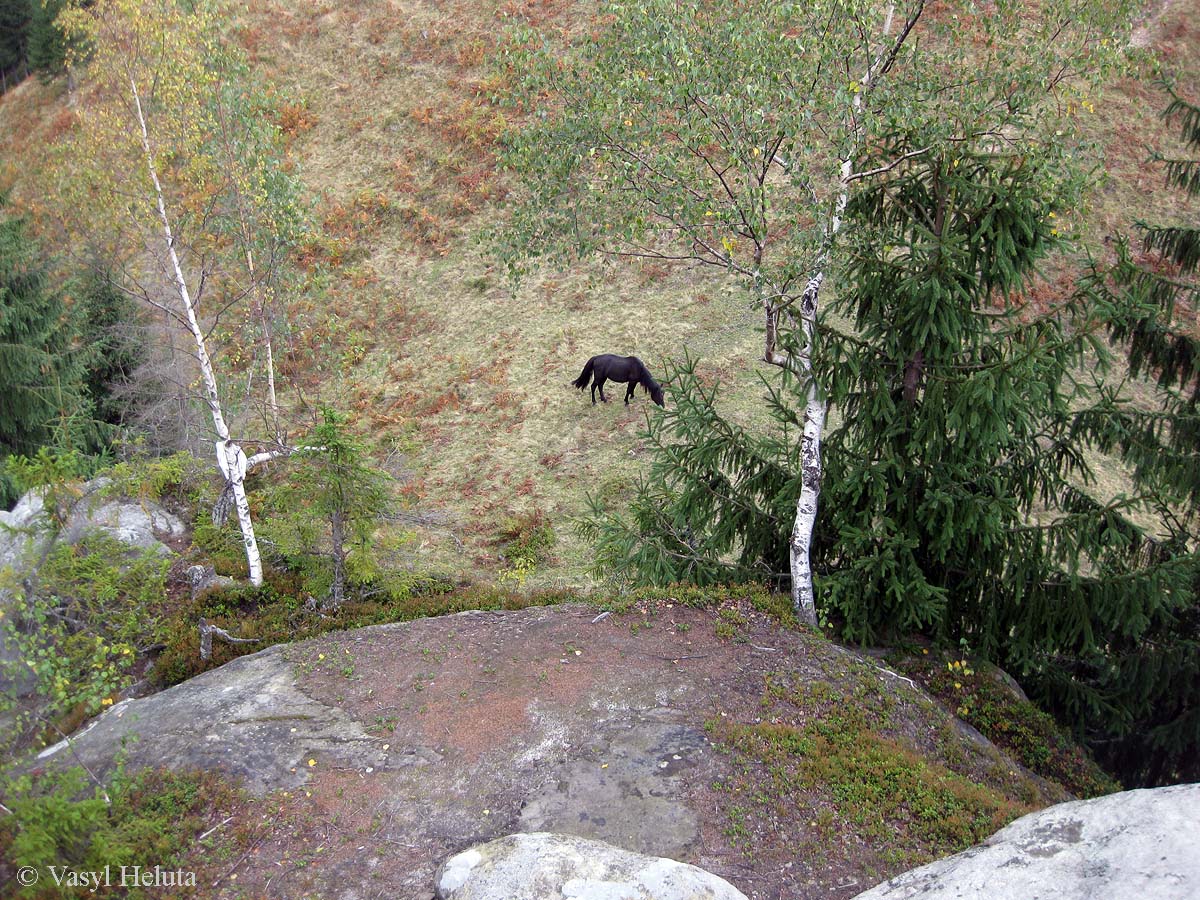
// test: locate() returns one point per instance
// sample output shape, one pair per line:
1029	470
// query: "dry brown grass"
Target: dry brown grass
412	328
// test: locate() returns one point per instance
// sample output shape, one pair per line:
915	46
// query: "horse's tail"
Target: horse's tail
586	375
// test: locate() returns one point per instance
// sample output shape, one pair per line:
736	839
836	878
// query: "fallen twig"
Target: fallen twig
214	828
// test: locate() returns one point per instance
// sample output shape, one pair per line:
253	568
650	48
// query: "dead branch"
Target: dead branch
206	635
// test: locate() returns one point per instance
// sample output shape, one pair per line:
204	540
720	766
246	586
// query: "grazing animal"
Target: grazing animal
629	369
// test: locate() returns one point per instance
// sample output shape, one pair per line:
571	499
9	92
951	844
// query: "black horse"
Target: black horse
630	369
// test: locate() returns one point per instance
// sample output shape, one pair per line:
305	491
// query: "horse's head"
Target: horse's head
656	392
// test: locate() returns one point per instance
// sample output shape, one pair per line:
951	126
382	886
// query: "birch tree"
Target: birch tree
182	203
733	136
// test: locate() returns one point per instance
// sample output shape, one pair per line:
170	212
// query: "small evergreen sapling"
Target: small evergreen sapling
327	511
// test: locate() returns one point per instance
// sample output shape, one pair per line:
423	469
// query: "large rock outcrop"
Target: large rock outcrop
1136	845
543	866
405	744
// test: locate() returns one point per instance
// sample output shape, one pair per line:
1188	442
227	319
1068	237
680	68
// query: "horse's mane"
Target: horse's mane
644	375
652	387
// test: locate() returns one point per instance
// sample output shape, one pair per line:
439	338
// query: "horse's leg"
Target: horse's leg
594	383
600	384
629	392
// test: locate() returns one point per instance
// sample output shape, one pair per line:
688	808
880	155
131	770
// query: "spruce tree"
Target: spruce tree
325	514
1150	302
956	500
40	369
47	43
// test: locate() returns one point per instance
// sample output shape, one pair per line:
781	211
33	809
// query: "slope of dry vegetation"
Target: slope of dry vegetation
413	329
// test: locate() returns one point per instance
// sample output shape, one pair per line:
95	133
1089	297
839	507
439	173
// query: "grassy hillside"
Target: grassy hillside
460	383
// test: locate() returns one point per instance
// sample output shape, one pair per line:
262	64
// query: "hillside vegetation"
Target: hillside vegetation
459	383
451	377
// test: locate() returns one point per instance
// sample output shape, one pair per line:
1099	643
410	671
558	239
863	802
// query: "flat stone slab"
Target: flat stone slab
413	741
458	730
1136	845
248	719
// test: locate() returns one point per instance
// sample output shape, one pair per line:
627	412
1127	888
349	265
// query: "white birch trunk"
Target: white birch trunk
230	458
800	545
260	305
260	309
815	407
804	598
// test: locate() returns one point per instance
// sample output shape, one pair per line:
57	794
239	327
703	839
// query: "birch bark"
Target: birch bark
230	458
816	408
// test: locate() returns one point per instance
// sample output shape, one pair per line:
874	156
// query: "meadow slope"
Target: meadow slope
409	324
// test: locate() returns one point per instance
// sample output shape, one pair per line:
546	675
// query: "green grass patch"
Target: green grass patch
879	790
837	766
727	598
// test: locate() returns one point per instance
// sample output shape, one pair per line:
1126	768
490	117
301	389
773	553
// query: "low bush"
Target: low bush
148	819
979	697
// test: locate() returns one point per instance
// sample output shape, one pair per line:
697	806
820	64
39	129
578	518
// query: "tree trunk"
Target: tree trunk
803	594
771	349
815	408
260	310
260	297
230	458
338	537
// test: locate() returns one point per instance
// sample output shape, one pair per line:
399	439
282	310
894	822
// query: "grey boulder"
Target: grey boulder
136	523
1136	844
542	866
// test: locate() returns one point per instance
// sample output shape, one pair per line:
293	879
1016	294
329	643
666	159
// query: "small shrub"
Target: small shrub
96	603
62	820
275	617
879	787
525	541
179	476
1029	734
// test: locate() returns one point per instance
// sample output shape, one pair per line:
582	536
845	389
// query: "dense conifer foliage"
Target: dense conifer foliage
30	40
14	37
1152	678
39	368
47	48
